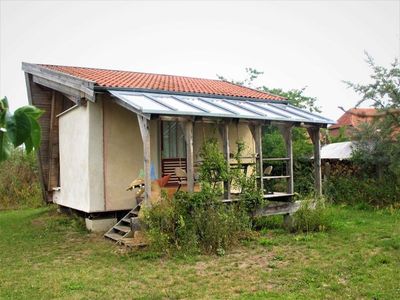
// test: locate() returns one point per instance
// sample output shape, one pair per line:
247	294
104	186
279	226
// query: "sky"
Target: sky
313	44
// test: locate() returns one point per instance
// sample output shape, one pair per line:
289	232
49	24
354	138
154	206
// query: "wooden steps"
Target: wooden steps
124	231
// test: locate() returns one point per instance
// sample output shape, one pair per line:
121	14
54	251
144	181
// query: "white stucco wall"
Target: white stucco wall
81	158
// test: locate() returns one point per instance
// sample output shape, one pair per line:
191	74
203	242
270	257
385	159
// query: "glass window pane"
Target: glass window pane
179	105
212	109
259	110
146	103
234	108
174	145
297	112
274	109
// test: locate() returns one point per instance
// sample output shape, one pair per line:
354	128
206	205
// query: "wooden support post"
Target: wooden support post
314	135
224	132
286	131
256	131
144	126
188	131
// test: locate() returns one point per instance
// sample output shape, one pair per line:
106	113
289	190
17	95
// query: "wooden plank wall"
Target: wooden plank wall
41	98
52	103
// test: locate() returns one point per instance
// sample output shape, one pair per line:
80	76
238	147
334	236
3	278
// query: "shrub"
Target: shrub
195	222
19	181
359	191
303	172
312	216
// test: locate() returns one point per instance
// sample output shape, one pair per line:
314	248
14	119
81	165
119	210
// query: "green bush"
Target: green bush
195	222
200	222
312	216
19	181
359	191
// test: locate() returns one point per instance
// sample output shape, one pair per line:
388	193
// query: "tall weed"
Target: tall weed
19	181
312	216
195	222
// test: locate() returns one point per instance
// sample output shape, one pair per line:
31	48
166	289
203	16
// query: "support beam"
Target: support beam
315	137
144	126
277	208
256	131
188	131
224	132
286	131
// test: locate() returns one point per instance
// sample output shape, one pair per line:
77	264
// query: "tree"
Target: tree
19	128
383	91
378	143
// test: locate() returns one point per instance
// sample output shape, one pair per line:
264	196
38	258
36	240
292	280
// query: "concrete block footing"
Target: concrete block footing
100	225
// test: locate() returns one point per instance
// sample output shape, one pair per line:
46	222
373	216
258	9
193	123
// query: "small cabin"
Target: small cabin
103	128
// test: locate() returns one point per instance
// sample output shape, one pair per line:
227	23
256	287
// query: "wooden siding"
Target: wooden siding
52	103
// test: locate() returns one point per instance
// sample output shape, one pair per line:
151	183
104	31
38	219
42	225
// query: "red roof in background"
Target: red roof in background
354	116
137	80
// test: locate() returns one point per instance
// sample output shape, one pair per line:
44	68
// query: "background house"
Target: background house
352	119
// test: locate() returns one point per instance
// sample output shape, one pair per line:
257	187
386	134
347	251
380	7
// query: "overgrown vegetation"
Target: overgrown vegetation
363	192
312	216
199	221
19	181
195	222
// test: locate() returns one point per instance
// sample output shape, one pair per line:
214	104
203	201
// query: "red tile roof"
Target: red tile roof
181	84
354	116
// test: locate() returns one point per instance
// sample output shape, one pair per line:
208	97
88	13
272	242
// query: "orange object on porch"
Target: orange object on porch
163	180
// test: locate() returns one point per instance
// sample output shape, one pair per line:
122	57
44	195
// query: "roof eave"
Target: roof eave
65	83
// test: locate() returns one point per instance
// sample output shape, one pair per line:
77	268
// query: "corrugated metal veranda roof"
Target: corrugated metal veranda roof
213	107
340	151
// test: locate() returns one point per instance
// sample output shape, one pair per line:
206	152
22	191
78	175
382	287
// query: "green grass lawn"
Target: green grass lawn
46	255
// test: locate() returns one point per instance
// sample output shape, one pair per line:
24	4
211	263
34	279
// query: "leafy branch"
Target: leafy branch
19	128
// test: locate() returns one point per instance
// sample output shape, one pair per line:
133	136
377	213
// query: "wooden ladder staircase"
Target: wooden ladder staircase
123	232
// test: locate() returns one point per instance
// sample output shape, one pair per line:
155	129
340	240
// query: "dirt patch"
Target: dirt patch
237	262
38	223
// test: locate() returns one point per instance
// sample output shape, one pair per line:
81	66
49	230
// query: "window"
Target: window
173	140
